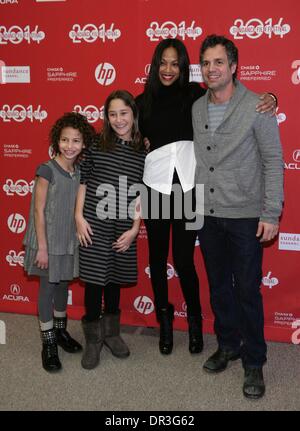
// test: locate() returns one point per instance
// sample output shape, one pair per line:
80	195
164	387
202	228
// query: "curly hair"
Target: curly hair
76	121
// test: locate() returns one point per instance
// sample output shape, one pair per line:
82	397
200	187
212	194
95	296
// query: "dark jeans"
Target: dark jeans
183	247
233	259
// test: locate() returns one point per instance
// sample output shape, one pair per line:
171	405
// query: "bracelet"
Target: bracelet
273	97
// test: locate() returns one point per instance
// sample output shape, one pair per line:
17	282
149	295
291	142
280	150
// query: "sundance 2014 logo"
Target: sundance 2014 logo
255	28
91	33
173	30
20	187
296	72
91	112
295	338
13	258
16	34
20	113
269	281
170	271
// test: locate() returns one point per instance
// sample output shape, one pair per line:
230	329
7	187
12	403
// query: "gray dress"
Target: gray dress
60	225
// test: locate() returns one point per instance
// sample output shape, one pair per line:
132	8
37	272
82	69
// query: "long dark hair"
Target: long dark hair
107	137
153	82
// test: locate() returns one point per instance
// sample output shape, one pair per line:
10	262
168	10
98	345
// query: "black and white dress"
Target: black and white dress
108	175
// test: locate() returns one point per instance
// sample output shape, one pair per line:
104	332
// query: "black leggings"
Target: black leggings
93	299
183	247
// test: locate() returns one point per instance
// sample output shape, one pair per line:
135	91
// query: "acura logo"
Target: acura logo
15	289
296	155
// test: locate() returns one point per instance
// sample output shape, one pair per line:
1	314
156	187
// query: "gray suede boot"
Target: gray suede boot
112	339
94	343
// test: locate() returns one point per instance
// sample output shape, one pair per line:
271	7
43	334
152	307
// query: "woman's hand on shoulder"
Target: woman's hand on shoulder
268	104
84	231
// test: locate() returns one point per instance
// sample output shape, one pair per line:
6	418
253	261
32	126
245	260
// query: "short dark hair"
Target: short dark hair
108	136
76	121
231	50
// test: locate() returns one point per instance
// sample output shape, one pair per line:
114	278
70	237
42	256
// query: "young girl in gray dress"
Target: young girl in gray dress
50	240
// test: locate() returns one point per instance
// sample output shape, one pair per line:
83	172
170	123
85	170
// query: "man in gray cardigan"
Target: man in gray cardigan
239	161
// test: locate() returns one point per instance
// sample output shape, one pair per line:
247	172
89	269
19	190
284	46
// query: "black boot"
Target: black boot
50	357
165	317
195	334
64	339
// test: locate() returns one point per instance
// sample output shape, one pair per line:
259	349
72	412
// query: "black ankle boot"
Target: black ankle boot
50	359
165	318
64	339
195	334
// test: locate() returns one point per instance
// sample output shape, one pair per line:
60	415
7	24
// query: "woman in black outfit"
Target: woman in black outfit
165	120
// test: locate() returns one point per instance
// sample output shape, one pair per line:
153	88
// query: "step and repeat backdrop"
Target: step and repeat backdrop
68	55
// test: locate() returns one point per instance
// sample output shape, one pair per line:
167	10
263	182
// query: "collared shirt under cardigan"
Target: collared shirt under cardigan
241	164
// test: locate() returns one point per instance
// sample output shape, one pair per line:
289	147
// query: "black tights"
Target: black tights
183	246
93	299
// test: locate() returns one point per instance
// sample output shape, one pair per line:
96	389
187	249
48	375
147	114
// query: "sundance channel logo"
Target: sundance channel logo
289	241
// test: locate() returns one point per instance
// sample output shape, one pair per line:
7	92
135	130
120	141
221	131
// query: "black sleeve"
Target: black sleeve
196	91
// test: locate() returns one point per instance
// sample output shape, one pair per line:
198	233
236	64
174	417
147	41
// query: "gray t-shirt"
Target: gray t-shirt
216	113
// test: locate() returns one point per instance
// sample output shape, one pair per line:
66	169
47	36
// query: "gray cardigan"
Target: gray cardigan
241	164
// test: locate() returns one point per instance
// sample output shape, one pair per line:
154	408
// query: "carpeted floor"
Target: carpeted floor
146	381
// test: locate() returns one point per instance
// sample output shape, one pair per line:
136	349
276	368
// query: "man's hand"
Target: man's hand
267	231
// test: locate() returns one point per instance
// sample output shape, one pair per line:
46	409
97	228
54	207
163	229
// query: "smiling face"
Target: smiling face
70	144
216	70
169	67
120	117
